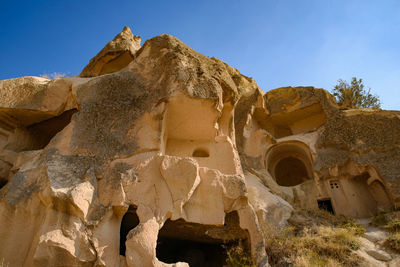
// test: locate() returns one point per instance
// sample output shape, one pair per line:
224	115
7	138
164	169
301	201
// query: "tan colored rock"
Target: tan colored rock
270	208
173	154
379	254
116	55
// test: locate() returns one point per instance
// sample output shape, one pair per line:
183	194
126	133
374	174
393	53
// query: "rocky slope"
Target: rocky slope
158	155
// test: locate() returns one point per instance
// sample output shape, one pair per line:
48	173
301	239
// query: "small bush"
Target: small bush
351	224
354	95
380	219
390	222
394	241
238	255
393	225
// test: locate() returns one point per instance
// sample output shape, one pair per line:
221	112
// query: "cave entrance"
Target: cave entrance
129	221
198	244
289	163
196	254
326	204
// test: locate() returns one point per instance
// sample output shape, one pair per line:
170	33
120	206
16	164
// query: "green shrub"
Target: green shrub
350	224
393	225
354	95
238	255
394	241
380	219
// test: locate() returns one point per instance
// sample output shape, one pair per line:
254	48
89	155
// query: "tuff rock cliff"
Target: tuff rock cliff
157	146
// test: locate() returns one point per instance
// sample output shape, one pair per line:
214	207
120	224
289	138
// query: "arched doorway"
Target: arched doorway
380	195
289	163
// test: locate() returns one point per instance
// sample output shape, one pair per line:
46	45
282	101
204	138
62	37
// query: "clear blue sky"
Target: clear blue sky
277	42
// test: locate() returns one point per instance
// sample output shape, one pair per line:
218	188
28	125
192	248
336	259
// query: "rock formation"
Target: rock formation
157	156
114	56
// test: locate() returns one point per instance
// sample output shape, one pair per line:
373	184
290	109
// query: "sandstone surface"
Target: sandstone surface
158	156
116	55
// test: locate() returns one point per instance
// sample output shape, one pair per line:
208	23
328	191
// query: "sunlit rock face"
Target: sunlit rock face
158	155
114	56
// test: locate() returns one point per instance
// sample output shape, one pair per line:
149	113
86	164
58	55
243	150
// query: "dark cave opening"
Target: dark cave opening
42	132
326	204
290	171
3	182
129	221
38	135
196	254
198	244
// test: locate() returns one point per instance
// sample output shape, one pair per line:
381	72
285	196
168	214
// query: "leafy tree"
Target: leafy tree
354	95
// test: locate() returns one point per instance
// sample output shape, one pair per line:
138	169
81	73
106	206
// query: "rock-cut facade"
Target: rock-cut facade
157	155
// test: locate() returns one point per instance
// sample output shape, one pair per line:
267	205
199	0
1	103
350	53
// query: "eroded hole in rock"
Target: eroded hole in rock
326	204
3	182
198	244
129	221
201	153
290	172
4	172
38	135
303	120
117	63
44	131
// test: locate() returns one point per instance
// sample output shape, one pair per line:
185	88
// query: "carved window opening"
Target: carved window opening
201	153
334	185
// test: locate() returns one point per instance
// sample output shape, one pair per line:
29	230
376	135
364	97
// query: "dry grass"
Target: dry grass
391	223
238	255
393	241
380	220
3	263
323	240
313	239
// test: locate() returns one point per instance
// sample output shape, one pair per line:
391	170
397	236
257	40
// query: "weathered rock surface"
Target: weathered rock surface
116	55
172	154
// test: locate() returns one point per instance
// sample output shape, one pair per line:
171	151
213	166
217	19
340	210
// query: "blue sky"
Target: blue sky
278	42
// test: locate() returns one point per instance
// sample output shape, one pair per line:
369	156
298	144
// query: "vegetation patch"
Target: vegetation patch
390	222
322	240
238	255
